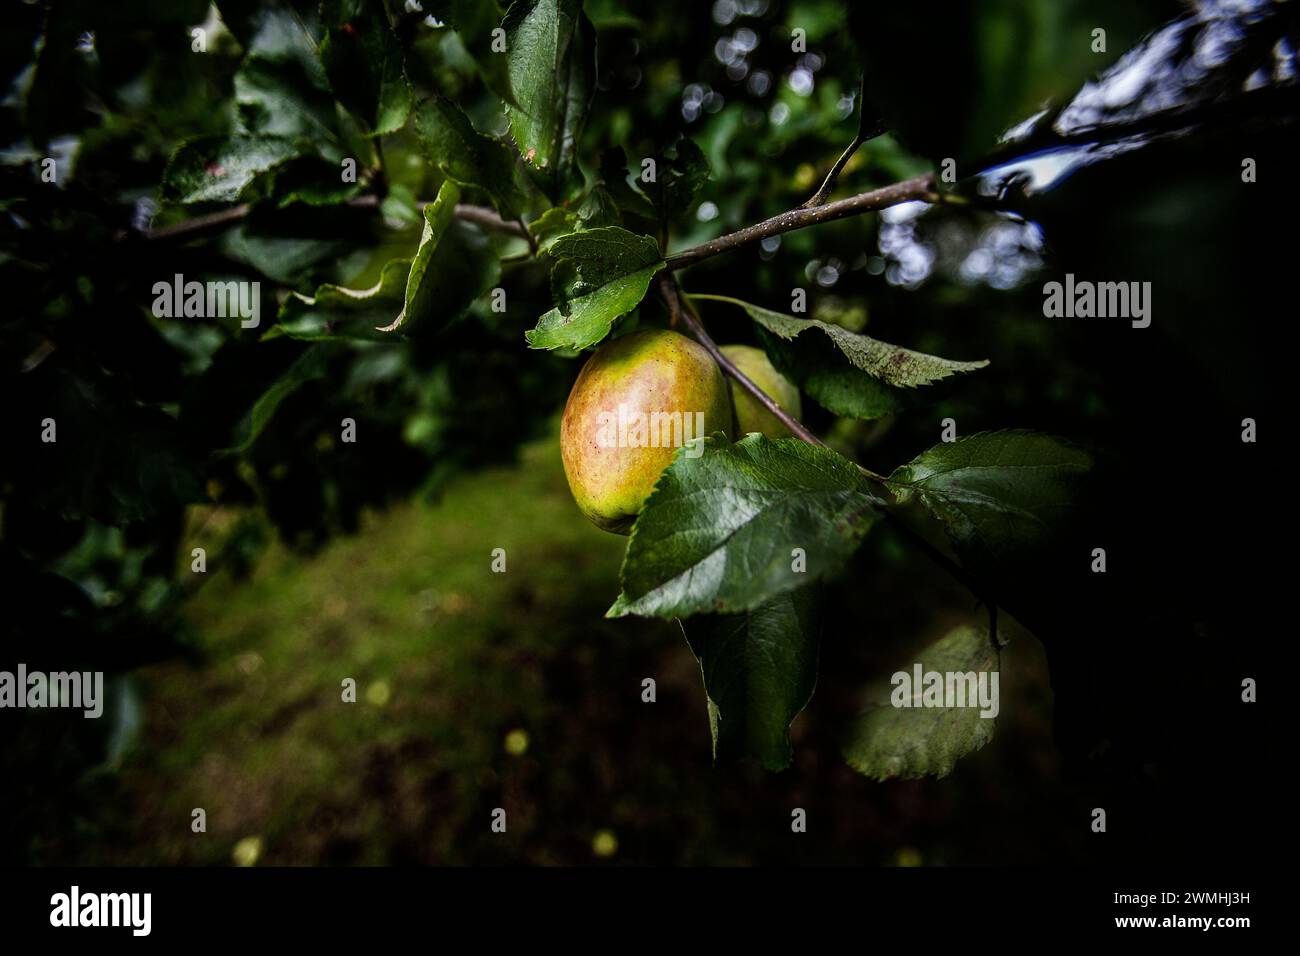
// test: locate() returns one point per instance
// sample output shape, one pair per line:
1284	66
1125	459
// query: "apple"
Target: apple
750	415
637	400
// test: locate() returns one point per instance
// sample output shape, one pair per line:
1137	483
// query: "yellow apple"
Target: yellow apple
750	415
638	399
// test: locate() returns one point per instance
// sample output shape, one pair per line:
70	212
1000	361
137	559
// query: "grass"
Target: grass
478	690
447	657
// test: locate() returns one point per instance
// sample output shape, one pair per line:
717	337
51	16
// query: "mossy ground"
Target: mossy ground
478	690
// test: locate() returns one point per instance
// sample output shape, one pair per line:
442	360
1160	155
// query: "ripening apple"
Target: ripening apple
750	415
637	400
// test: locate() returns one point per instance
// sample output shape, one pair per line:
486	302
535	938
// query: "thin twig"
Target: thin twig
866	131
680	310
532	240
487	218
917	188
828	184
482	216
199	224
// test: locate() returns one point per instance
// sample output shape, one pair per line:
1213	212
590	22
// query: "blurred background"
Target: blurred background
372	561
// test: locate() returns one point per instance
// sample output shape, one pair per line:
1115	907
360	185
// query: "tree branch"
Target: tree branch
680	310
212	222
917	188
487	218
482	216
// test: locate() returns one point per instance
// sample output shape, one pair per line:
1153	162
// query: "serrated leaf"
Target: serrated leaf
719	532
759	669
583	321
551	225
474	21
614	176
598	209
363	61
452	267
602	255
217	169
605	272
1001	496
909	742
438	217
551	58
680	172
338	312
451	143
891	364
831	383
281	87
579	89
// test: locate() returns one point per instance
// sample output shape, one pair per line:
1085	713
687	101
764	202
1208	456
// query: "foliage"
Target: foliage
438	225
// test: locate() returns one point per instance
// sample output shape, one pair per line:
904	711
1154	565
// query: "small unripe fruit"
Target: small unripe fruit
636	401
750	415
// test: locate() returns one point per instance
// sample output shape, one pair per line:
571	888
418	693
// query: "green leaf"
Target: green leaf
363	61
602	255
311	365
451	143
1002	497
551	225
312	181
614	179
339	312
551	58
474	21
583	321
607	272
217	169
759	668
827	380
438	217
680	172
909	742
891	364
290	259
598	208
453	266
719	532
281	87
